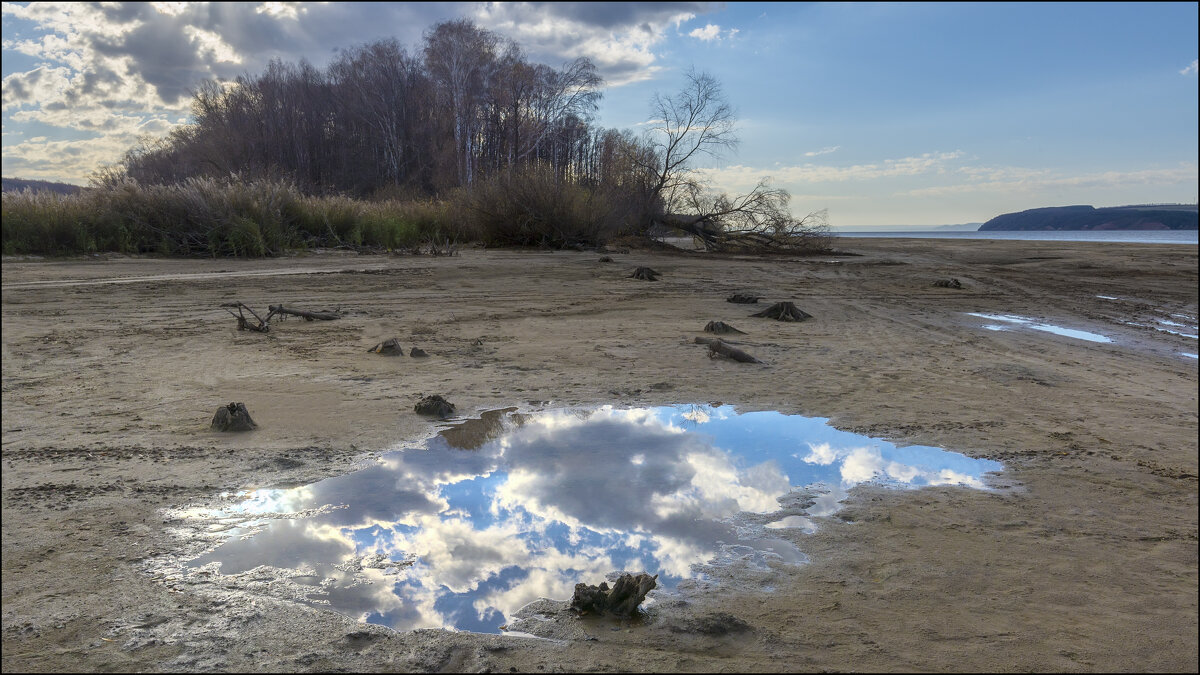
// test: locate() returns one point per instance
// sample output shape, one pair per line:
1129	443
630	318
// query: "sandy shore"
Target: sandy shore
1083	559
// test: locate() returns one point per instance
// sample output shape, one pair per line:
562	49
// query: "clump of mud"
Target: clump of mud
721	328
948	283
233	417
742	299
434	405
389	347
621	600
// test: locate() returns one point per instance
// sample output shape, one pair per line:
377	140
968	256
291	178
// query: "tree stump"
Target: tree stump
233	417
948	283
435	405
721	328
606	259
389	347
646	274
621	600
743	299
784	311
417	352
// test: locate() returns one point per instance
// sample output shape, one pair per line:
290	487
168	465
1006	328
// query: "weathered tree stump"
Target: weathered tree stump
742	299
721	328
389	347
948	283
417	352
719	348
646	274
233	417
435	405
784	311
621	600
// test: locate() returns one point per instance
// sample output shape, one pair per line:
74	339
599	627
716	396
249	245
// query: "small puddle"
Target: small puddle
462	530
1026	322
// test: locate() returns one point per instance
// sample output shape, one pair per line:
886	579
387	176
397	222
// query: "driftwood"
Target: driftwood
721	328
233	417
742	299
720	348
308	316
389	347
243	322
646	274
435	405
784	311
622	600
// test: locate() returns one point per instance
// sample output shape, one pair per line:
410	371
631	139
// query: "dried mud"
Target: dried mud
1083	559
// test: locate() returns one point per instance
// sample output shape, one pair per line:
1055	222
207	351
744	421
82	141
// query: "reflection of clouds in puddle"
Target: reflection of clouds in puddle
1044	327
1190	355
567	496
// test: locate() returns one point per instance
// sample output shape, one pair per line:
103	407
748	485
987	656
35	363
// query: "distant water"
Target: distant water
1114	236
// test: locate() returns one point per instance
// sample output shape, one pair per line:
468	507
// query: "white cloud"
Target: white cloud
738	177
708	33
823	151
1192	68
1018	181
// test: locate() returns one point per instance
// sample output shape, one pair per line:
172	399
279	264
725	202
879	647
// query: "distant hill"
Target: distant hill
1136	217
18	184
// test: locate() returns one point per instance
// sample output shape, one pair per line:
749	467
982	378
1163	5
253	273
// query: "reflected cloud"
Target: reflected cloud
440	536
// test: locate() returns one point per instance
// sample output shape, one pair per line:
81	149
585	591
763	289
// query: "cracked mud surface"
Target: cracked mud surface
1087	562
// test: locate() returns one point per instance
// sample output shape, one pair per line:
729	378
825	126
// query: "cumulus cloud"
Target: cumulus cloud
707	34
618	37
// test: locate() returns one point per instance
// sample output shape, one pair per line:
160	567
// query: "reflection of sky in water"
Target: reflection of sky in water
1046	327
437	536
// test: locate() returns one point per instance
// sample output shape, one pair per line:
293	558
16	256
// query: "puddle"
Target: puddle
1190	355
1025	322
437	536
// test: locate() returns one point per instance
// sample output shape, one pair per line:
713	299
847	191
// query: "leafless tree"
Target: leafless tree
698	121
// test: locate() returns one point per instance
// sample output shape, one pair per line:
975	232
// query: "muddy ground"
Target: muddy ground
1083	559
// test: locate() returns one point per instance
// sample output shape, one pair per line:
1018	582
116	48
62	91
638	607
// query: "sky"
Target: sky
893	114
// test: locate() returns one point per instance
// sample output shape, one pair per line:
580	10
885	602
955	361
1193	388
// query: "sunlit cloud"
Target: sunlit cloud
823	151
707	34
1192	68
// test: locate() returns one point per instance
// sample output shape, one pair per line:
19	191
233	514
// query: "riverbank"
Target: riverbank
1084	560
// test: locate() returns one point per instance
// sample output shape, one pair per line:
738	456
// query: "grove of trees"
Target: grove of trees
468	114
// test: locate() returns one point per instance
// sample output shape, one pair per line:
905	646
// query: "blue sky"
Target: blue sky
884	114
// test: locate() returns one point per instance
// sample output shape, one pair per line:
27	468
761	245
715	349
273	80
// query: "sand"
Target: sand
1083	556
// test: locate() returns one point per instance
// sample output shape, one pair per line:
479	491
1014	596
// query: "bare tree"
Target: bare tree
461	59
695	122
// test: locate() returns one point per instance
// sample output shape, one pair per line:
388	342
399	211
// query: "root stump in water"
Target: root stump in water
622	600
389	347
417	352
646	274
743	299
721	328
784	311
435	405
233	417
